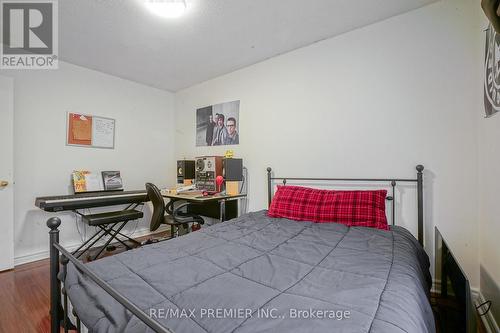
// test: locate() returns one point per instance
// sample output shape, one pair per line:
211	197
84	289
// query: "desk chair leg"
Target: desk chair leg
172	231
109	240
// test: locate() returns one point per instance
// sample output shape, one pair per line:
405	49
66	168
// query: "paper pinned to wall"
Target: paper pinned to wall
79	129
82	130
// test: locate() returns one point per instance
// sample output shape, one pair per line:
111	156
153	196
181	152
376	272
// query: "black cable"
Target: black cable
244	171
242	184
486	311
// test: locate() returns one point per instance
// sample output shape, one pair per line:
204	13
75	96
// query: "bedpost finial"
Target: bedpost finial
53	223
269	169
64	260
420	168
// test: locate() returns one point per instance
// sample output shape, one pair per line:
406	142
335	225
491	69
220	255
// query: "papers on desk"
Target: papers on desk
185	189
192	193
175	191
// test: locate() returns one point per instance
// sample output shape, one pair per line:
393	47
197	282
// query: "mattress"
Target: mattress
262	274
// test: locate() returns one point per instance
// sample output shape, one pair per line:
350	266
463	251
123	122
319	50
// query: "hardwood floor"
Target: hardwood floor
25	296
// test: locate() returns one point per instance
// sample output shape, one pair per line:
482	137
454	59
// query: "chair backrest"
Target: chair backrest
156	198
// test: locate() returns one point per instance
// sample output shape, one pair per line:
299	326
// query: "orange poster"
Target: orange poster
79	129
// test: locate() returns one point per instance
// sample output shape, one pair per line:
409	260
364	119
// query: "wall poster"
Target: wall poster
492	72
218	125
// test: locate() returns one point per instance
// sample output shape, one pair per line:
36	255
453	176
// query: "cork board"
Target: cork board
90	131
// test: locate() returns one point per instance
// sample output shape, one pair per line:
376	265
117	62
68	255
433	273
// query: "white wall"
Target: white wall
373	102
43	163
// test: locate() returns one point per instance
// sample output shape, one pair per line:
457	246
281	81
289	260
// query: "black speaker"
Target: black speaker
232	169
185	170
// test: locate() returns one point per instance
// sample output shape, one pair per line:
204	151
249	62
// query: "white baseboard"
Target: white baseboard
27	258
24	259
488	320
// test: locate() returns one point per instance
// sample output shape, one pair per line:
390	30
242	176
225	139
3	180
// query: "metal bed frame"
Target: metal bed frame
392	181
60	257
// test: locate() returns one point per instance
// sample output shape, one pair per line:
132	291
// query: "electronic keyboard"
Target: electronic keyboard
90	200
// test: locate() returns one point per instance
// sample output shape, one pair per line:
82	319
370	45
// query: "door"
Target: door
6	173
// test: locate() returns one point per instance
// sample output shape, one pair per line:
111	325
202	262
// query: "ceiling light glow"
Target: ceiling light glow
167	8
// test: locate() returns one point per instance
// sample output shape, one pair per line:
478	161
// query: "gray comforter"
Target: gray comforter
260	274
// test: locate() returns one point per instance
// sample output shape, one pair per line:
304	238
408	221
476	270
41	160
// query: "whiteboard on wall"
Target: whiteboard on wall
90	131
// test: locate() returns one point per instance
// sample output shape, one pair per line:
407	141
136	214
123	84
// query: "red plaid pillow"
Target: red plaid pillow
352	208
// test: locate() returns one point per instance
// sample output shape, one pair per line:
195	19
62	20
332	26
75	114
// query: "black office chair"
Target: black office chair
166	214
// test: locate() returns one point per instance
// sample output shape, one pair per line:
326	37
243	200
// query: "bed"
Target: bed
258	274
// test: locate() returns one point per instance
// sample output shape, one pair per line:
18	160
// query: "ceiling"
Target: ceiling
214	37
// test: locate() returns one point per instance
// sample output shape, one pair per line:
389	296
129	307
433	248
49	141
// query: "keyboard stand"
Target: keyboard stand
110	224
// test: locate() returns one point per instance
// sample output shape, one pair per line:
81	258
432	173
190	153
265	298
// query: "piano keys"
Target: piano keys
90	200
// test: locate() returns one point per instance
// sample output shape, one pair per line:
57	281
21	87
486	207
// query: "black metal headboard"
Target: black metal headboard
393	182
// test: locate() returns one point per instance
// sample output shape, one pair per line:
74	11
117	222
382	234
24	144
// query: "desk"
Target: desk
197	198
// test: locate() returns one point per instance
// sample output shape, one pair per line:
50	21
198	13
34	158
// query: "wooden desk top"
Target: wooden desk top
196	196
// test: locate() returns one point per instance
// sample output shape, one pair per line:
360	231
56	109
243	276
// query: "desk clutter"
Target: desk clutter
207	186
214	183
211	174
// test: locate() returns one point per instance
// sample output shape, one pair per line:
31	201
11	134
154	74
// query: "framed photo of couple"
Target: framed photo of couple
218	124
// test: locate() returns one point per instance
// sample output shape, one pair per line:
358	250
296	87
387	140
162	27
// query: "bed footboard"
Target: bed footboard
59	312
